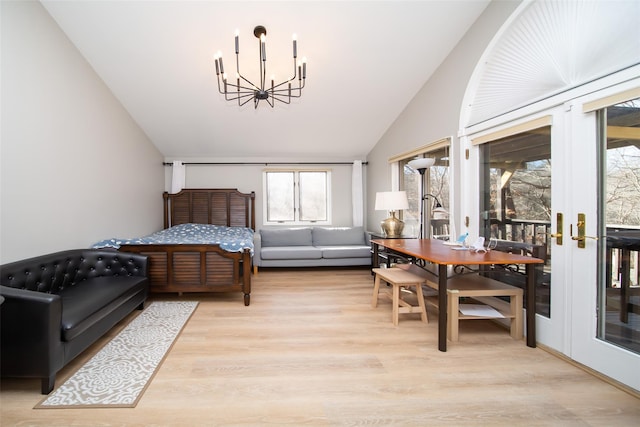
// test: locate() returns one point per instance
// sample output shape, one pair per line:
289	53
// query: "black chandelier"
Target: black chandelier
244	90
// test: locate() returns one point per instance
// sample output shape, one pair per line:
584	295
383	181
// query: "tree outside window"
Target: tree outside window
436	183
297	197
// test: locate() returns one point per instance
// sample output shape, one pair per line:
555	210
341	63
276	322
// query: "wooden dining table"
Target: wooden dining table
442	255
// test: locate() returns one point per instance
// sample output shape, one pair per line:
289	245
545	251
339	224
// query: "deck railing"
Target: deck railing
623	272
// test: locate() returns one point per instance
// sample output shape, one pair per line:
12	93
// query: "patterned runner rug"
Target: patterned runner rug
120	372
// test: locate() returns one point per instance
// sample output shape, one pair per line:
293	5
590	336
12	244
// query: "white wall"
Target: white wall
75	168
247	178
434	113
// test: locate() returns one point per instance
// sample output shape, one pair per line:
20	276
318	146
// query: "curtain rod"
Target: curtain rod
263	163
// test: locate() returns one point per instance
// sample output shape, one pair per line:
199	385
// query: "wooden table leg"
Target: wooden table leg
375	263
531	305
442	307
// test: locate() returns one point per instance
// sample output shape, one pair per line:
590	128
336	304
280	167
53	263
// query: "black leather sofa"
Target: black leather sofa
57	305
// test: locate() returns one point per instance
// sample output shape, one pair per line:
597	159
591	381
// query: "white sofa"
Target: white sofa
311	247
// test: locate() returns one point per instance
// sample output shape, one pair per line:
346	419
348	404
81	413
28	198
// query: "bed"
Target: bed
200	267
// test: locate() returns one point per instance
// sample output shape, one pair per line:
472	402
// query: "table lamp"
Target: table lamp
392	201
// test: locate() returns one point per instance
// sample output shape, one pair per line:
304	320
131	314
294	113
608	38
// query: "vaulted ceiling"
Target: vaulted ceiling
366	61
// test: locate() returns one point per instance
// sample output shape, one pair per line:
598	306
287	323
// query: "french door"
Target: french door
567	183
603	222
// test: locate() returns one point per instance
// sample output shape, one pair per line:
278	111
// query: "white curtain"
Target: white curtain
178	178
357	194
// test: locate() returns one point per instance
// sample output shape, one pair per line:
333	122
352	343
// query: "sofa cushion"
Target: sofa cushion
291	252
350	251
286	237
337	236
89	301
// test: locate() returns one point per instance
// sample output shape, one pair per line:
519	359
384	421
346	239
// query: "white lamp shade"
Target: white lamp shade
422	163
391	201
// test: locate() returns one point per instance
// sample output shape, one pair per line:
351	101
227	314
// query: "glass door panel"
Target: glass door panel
515	198
619	222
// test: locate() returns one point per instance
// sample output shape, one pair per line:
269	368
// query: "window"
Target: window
515	185
435	207
297	197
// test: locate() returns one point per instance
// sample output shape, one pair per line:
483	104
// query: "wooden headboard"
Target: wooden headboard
218	206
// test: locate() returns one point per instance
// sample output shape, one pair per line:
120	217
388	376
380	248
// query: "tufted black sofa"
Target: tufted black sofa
57	305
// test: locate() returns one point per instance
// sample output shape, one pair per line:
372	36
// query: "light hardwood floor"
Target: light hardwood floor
310	350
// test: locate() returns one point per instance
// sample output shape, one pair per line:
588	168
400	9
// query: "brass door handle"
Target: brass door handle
559	226
581	237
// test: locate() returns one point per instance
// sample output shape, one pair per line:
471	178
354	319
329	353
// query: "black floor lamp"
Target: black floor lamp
421	165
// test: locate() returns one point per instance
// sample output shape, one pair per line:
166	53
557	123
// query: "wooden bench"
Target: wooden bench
399	278
486	291
481	289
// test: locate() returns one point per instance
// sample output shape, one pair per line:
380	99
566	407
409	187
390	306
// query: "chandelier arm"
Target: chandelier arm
253	86
289	80
276	87
301	83
236	95
295	92
263	79
232	96
246	100
251	89
281	90
292	95
263	64
239	90
294	72
299	88
295	68
219	88
284	101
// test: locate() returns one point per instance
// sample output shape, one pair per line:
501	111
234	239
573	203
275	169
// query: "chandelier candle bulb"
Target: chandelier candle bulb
295	46
237	41
221	66
215	59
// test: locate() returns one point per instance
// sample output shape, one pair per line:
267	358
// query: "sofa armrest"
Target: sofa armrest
257	248
30	323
